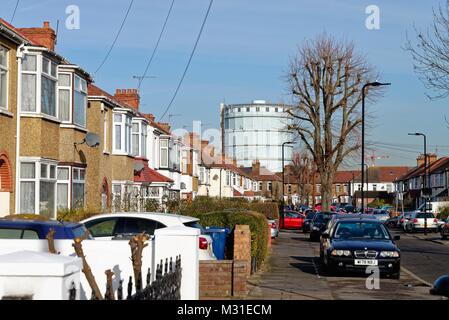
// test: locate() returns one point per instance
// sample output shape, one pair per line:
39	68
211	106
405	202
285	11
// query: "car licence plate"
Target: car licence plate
365	262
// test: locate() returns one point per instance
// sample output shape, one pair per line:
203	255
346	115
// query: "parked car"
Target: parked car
444	231
119	226
417	221
37	229
274	228
403	218
393	221
307	220
355	244
349	208
318	225
291	220
381	215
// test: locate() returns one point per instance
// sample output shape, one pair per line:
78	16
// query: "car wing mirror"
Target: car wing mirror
396	238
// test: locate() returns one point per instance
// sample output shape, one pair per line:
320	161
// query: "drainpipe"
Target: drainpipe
19	55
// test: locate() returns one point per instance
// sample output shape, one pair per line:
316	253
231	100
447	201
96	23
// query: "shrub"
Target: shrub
444	213
74	215
269	209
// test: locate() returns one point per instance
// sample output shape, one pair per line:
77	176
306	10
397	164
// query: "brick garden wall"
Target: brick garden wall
228	278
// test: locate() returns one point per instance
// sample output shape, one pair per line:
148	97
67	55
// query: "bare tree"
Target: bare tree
303	169
326	79
430	53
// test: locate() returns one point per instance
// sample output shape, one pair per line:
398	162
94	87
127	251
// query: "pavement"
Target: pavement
293	272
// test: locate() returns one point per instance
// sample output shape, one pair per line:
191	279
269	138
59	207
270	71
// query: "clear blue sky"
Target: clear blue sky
243	53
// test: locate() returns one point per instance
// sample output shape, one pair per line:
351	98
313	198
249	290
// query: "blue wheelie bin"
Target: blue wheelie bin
218	235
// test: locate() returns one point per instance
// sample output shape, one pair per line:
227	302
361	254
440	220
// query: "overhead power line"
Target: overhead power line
190	60
116	37
14	13
157	44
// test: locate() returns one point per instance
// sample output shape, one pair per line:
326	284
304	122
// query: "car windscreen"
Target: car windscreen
360	230
423	215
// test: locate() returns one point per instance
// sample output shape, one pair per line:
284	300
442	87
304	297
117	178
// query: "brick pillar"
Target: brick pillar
242	246
239	278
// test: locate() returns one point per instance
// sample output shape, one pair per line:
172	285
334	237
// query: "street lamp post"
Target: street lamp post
425	176
283	180
369	84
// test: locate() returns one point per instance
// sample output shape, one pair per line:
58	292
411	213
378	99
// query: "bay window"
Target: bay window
37	188
3	78
63	188
164	153
48	87
29	83
65	96
139	139
122	133
78	183
79	101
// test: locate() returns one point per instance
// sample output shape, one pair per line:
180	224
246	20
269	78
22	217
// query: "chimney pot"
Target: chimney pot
46	24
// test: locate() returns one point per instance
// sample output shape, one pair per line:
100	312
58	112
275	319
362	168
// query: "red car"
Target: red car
291	220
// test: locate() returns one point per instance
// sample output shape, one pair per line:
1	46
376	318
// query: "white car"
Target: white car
116	226
418	221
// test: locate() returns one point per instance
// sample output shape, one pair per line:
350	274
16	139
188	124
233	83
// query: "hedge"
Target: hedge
257	223
207	204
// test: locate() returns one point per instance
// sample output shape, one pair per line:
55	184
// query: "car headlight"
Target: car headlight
340	253
389	254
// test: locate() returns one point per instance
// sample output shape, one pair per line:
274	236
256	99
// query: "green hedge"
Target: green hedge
207	204
444	213
257	223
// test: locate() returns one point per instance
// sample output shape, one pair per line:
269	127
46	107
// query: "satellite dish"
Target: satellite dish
92	140
138	166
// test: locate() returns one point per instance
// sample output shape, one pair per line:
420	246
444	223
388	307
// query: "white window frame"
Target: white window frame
82	90
78	180
48	74
69	88
5	68
105	131
39	74
164	149
125	125
38	163
66	182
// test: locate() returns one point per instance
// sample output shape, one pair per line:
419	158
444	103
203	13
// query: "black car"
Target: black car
355	244
309	217
318	225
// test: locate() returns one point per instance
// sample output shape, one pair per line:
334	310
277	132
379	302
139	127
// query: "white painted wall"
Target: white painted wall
41	275
214	190
115	255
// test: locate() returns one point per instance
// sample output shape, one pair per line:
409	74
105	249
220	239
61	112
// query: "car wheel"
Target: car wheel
443	236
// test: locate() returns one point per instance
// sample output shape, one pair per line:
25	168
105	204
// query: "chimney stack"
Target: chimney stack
44	36
256	167
128	96
431	157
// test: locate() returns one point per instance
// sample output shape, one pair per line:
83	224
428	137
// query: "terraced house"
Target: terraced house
65	143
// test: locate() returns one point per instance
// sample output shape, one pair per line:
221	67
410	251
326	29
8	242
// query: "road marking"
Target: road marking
416	277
